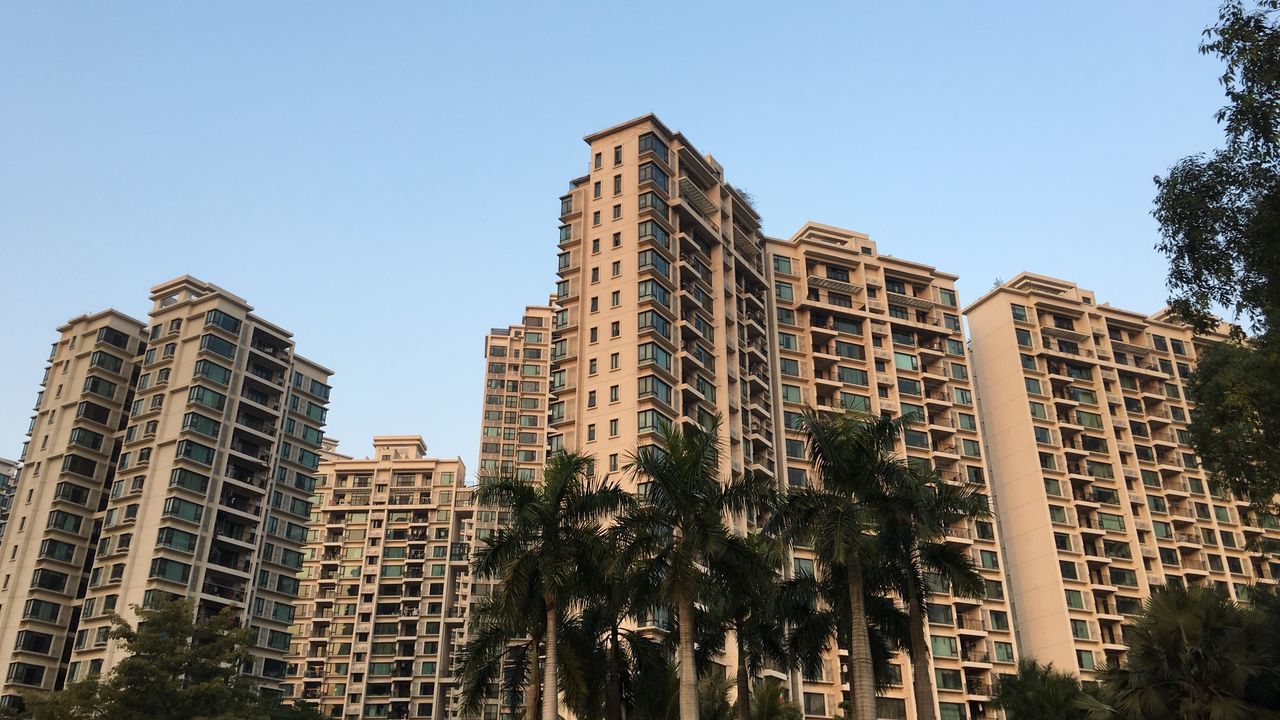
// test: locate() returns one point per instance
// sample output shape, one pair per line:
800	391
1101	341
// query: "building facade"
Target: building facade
1101	497
662	304
184	451
859	330
513	436
384	584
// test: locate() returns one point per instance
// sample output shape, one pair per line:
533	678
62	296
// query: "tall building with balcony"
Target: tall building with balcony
513	436
662	304
69	464
859	330
1101	497
184	451
384	584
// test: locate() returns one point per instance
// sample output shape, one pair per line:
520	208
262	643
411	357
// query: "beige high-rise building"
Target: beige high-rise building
203	434
1101	498
384	584
662	304
68	463
513	436
871	332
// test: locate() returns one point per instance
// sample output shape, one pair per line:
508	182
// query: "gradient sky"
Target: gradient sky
383	178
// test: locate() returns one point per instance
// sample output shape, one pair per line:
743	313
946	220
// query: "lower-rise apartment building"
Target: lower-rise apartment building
859	330
1101	497
384	584
513	436
172	458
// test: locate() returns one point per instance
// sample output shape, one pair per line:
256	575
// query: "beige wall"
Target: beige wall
250	456
384	584
1110	488
856	326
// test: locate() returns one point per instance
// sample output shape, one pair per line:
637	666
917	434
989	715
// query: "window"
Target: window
944	646
814	704
782	264
784	291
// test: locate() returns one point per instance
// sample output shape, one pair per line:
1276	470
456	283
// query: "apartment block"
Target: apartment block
384	584
184	451
69	464
856	329
513	438
662	304
1101	497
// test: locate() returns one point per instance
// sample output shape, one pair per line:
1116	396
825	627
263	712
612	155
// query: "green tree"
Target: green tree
679	527
503	648
613	655
914	518
177	667
857	464
1039	692
816	612
769	702
554	534
1194	654
1219	217
744	599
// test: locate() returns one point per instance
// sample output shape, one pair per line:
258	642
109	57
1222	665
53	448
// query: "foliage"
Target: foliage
857	463
177	667
554	537
769	702
1194	653
679	530
1038	692
1219	216
913	520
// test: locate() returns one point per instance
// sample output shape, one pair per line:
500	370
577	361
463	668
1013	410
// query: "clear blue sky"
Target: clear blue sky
382	178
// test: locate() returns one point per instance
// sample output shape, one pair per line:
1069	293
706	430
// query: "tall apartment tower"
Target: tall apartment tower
178	460
513	436
662	304
860	330
1101	496
69	464
384	584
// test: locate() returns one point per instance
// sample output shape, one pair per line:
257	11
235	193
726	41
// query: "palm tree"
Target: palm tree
1193	653
1038	692
769	702
817	615
745	601
913	521
613	655
679	528
503	648
554	533
857	464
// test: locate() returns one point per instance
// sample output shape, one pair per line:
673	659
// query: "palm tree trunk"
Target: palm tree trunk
550	686
921	676
613	684
687	664
744	682
533	703
862	682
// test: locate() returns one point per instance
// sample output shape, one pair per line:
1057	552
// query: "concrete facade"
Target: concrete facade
178	459
1101	497
871	332
384	584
